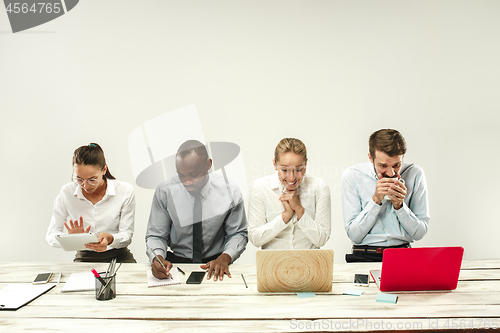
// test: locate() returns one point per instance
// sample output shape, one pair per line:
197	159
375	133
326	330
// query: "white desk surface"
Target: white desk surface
229	306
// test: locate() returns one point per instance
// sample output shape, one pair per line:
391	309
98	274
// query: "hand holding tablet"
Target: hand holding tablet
104	239
75	242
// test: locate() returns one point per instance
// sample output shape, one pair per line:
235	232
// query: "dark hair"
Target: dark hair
91	154
191	146
388	141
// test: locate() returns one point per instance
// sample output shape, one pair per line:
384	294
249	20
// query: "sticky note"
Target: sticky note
387	298
306	294
352	292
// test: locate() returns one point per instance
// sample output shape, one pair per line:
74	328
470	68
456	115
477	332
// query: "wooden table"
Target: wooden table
229	306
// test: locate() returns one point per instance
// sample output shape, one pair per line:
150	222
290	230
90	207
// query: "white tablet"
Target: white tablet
75	242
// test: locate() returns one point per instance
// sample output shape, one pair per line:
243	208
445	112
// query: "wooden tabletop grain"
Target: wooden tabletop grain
229	306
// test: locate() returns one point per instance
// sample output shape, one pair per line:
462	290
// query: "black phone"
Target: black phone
195	277
362	280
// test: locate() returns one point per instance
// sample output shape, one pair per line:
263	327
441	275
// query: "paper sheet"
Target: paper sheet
16	295
305	294
387	298
353	292
80	282
154	282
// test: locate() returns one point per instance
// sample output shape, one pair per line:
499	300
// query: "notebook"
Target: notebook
294	270
16	295
154	282
419	269
82	281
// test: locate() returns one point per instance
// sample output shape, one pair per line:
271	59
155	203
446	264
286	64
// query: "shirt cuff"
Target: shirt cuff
403	215
373	208
232	253
303	220
114	243
118	240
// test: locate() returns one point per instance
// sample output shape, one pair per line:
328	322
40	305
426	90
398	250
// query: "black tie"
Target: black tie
197	231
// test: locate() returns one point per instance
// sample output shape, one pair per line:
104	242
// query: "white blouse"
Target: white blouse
113	214
266	227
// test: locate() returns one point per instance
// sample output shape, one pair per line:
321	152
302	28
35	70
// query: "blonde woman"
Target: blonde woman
287	209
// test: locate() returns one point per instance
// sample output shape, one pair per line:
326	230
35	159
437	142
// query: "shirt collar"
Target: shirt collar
275	182
205	191
372	171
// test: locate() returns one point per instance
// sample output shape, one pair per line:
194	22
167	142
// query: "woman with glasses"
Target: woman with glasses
98	203
287	209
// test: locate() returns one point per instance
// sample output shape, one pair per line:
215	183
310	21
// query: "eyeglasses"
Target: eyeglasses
81	182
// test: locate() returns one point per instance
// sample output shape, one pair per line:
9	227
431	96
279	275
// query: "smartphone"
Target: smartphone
195	277
42	278
361	280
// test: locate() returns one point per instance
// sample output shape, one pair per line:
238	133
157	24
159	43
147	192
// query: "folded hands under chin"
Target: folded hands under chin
291	203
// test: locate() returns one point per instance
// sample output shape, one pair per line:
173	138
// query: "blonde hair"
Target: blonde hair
290	145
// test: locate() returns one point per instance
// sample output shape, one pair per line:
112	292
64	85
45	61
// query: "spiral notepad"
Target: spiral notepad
154	282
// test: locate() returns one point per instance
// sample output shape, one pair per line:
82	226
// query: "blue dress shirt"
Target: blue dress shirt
368	223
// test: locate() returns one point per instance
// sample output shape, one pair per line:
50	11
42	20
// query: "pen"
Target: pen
157	258
116	270
98	276
104	285
180	270
59	279
246	285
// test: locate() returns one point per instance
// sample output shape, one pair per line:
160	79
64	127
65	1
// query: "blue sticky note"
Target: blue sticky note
353	292
306	294
387	298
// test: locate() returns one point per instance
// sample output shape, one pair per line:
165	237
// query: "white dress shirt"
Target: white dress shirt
367	223
113	214
266	227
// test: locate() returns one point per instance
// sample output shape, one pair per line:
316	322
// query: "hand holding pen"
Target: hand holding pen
160	267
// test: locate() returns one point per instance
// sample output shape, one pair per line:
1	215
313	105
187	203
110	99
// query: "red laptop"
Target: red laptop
419	269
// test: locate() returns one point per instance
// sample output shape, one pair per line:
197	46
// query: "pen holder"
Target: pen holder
105	287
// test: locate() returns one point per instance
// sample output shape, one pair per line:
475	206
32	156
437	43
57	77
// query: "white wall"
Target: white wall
327	72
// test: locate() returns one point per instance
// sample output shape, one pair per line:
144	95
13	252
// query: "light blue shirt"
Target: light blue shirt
368	223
